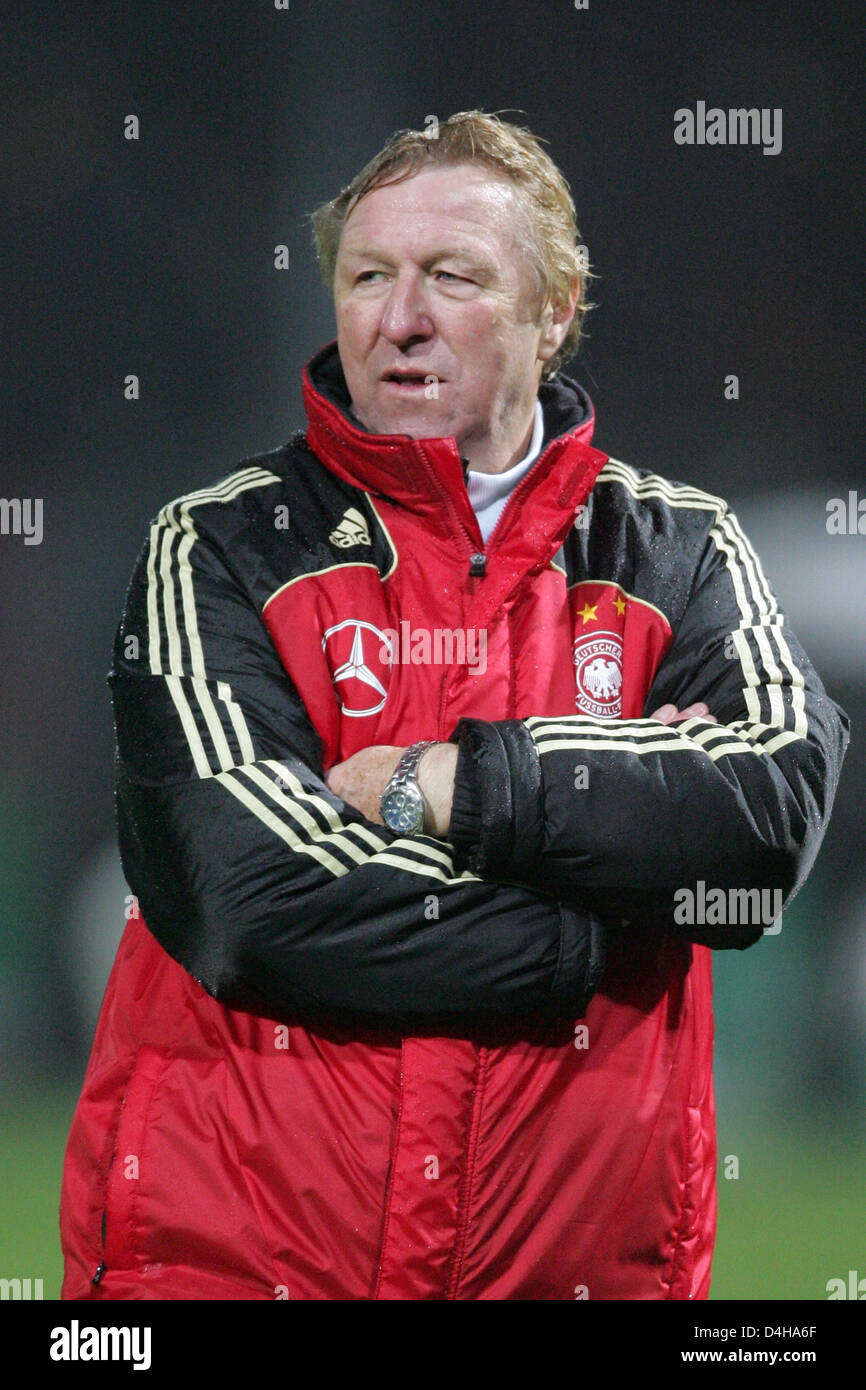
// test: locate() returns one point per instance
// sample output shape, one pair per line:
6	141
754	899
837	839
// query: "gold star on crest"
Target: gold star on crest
589	613
619	604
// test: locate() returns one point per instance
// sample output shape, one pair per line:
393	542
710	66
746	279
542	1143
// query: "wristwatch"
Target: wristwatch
401	804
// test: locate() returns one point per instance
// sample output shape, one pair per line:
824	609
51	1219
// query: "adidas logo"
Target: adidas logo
352	530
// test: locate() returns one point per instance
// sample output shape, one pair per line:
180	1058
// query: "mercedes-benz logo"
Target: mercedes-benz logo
356	668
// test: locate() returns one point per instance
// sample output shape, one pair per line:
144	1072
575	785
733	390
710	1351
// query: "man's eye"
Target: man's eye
365	274
451	276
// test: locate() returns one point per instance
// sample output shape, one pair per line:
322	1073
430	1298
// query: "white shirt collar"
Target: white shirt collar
484	488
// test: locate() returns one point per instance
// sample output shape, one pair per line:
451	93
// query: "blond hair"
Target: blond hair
551	239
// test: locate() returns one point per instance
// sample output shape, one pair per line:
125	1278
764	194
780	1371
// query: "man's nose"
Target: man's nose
406	314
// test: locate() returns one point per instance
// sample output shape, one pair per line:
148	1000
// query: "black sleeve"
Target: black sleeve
277	896
622	816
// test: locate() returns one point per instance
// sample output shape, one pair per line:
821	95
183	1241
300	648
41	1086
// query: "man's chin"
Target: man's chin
416	421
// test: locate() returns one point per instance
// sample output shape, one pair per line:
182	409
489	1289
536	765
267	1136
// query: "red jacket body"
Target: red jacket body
333	1064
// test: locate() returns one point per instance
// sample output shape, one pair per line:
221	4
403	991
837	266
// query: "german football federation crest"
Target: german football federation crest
598	674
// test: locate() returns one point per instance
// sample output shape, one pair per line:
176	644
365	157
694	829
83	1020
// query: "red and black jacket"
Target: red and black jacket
307	607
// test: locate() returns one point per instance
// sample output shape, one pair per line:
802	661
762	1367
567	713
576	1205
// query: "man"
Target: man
415	1013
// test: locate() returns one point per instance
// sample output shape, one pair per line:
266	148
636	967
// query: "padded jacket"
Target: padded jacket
337	1063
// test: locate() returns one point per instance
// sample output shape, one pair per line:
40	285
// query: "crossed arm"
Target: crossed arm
276	886
362	779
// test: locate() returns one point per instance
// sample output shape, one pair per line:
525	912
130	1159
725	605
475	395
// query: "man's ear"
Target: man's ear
556	321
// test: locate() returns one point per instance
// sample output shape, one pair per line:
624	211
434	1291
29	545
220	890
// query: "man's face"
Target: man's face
431	282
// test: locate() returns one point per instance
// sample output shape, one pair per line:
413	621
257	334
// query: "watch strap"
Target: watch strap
406	771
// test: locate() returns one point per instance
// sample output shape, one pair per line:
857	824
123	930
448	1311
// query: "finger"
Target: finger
698	711
666	713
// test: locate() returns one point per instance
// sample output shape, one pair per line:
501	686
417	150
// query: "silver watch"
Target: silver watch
401	804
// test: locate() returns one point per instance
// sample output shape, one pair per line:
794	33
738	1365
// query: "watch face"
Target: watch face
403	810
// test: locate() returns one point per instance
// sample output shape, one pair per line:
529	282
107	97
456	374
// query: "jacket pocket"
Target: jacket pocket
129	1161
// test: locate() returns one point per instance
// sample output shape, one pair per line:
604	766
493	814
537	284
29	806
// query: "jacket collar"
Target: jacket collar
427	474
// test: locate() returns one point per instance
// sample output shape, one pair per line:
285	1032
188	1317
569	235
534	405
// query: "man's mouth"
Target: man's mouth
409	380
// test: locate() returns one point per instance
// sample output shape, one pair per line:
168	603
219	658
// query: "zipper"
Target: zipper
477	566
477	558
515	493
100	1268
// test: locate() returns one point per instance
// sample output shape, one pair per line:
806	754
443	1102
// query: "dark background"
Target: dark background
156	257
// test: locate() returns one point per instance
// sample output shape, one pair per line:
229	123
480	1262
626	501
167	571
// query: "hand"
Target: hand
669	714
361	780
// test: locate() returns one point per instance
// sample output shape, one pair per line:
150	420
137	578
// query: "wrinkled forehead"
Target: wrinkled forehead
465	200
